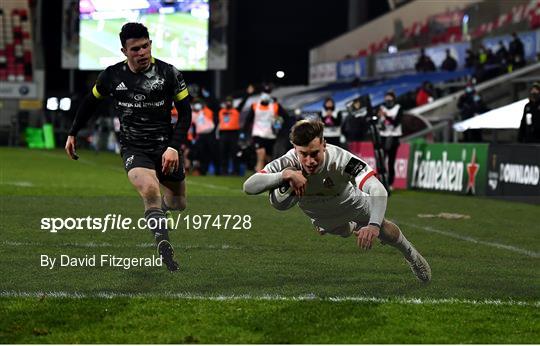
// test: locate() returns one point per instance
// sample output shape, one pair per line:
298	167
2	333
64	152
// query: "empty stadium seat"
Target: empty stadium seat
16	47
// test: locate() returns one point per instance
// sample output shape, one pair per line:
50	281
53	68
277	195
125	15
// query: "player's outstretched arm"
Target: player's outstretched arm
182	126
263	181
85	111
260	182
71	142
170	160
377	200
378	197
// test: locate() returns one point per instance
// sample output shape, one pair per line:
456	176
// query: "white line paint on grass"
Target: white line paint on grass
270	297
18	183
476	241
124	246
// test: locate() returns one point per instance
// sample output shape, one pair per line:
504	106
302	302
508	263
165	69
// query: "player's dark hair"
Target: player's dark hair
390	93
133	30
305	131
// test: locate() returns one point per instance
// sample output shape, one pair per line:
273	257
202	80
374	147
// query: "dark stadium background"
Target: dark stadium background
264	37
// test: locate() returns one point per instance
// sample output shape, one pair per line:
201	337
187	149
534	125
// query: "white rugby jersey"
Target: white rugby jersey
391	130
334	190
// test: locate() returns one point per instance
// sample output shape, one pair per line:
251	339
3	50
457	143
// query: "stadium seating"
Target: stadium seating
401	85
16	47
419	31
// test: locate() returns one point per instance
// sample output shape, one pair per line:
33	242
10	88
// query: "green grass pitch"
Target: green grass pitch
275	282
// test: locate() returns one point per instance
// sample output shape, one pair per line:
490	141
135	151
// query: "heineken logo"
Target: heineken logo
444	174
440	174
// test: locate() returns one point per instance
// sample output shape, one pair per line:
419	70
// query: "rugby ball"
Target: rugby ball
283	197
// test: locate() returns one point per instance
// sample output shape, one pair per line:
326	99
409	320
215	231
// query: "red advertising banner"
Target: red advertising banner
364	150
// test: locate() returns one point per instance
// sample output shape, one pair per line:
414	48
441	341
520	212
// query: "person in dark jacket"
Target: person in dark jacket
449	63
517	52
356	124
471	104
529	129
424	63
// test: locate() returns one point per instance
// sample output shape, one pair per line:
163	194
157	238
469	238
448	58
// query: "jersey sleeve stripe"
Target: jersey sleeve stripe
96	93
370	174
181	95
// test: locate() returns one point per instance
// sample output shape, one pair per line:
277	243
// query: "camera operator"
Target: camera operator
362	124
356	125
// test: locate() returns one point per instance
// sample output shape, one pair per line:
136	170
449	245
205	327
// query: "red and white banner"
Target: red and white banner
364	150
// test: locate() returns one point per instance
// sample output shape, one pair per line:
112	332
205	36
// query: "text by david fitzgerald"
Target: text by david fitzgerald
105	260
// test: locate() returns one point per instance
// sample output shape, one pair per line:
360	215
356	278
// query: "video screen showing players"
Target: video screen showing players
178	30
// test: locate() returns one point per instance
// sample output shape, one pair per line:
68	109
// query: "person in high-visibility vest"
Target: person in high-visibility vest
204	140
267	117
229	132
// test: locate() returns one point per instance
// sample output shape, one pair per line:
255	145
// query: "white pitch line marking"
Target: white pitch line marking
18	183
109	245
476	241
270	297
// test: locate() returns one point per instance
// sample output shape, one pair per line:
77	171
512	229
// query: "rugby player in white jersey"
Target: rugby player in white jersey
338	191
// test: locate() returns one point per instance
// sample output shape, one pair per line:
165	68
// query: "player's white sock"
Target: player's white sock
403	245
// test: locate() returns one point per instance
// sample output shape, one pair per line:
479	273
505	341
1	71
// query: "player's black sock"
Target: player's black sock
157	223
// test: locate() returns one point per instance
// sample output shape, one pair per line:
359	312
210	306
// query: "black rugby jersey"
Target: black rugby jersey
142	101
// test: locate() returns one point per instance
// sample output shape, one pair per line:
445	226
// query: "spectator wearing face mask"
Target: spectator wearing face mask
204	148
356	121
265	119
529	129
471	104
332	122
229	131
391	115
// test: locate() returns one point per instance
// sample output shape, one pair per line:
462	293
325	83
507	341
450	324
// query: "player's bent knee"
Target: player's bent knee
389	232
150	194
149	191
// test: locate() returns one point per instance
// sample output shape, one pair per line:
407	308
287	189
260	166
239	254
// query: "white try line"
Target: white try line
269	297
476	241
109	245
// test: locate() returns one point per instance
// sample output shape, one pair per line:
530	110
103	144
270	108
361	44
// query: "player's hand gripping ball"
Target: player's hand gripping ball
283	197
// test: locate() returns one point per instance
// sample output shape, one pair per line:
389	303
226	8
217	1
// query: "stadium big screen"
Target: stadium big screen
178	29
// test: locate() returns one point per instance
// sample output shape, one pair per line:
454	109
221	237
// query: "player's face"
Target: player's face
138	51
312	155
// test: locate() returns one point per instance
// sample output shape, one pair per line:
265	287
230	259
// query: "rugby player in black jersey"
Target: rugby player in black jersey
143	90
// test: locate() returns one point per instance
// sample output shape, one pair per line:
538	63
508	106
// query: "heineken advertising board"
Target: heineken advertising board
514	172
452	167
